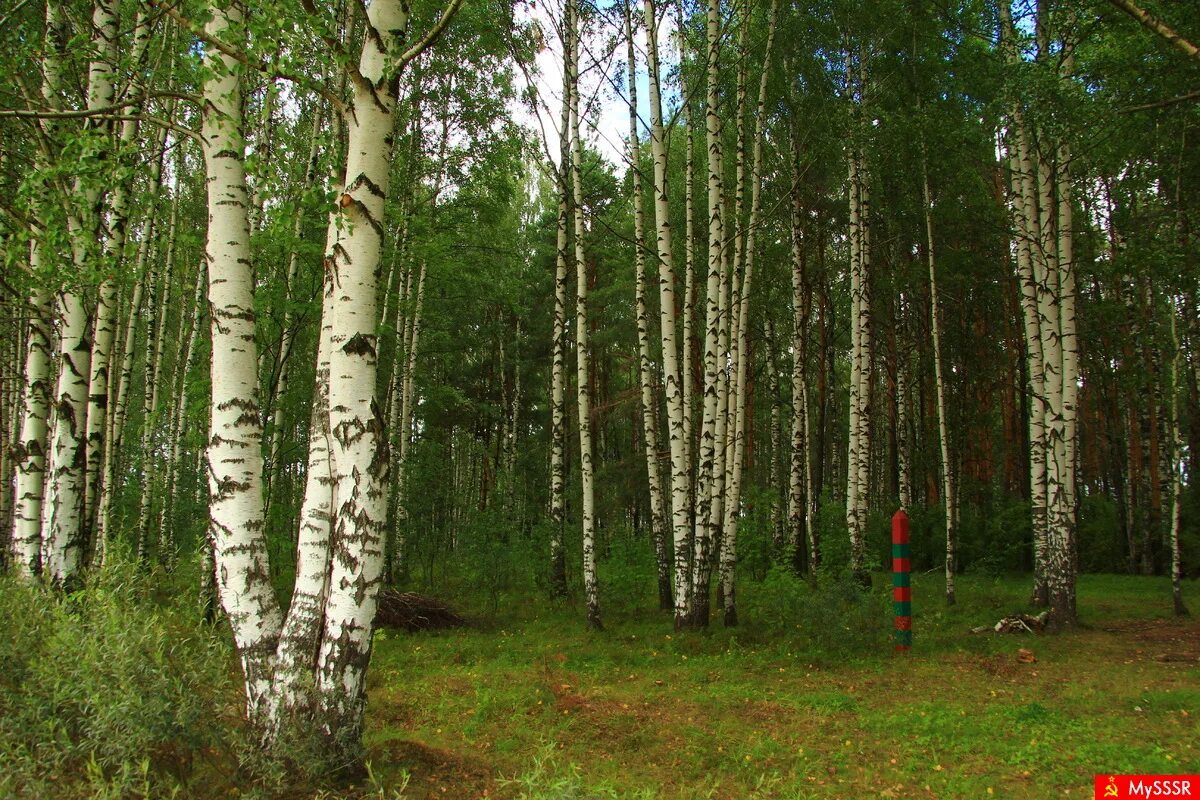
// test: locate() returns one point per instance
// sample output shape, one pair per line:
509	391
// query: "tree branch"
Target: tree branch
431	36
105	111
1183	98
1159	27
335	102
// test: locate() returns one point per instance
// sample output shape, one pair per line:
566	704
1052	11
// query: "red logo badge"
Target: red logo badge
1143	787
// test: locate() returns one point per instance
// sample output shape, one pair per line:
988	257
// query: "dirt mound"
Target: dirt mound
414	612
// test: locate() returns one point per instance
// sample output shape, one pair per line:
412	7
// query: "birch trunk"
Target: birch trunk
287	334
558	377
234	446
62	523
179	405
859	447
1030	267
776	470
658	514
31	453
116	419
706	477
359	451
407	399
741	345
903	439
582	356
151	369
296	655
29	456
1178	467
64	527
101	92
674	382
949	482
800	489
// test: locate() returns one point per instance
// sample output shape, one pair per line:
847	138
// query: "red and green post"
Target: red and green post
902	580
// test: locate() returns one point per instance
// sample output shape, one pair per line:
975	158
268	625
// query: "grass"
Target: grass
530	705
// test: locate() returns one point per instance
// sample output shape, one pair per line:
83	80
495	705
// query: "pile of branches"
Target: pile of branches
1018	623
414	612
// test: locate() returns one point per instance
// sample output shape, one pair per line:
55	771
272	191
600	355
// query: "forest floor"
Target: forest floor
531	705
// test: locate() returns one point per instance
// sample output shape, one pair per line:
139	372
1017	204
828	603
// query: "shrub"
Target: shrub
838	617
106	692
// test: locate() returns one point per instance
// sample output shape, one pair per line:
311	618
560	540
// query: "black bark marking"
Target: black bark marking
360	345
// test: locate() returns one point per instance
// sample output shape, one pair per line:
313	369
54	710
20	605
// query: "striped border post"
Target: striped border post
901	580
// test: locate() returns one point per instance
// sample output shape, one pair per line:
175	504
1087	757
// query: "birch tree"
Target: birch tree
674	381
858	458
949	488
235	426
586	466
659	520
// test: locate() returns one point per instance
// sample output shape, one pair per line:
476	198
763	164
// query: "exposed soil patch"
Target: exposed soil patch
1162	640
438	773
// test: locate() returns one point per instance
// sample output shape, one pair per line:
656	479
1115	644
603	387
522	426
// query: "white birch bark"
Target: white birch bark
582	355
287	333
64	527
120	393
30	453
234	447
359	452
558	367
778	489
1178	465
296	655
179	404
62	514
949	479
903	438
800	505
659	520
39	397
1030	267
101	92
741	345
706	476
675	383
858	450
